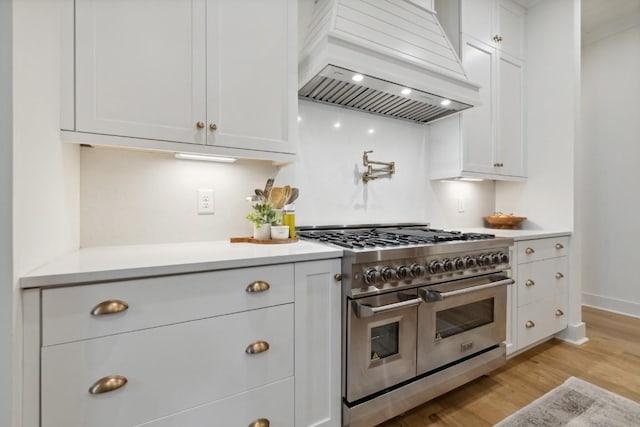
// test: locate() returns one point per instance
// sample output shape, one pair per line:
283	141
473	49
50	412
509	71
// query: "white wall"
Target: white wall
552	81
45	172
611	150
6	204
132	197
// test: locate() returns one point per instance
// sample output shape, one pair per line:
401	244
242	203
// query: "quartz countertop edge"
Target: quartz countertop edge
517	235
111	263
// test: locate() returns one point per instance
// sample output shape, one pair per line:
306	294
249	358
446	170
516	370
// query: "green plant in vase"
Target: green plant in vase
262	216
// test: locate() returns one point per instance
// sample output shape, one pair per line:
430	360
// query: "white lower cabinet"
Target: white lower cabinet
228	348
540	295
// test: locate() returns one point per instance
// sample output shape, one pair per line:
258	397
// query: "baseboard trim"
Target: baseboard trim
614	305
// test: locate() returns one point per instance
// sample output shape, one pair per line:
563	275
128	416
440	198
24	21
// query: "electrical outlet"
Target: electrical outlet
460	205
205	202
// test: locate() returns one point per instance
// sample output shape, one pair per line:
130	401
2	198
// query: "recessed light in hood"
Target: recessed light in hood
362	54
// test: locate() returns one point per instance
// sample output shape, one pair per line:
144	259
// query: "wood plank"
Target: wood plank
611	360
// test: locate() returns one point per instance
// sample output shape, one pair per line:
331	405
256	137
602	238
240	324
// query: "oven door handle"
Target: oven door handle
432	296
368	311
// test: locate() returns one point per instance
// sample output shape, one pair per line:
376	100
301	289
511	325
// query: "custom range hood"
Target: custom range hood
387	57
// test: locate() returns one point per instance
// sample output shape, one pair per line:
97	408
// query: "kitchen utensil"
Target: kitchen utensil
295	192
286	193
267	188
276	197
260	194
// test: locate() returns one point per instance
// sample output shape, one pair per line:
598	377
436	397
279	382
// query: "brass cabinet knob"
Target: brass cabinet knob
496	38
337	277
257	286
501	165
260	422
559	313
559	246
111	306
529	251
529	324
559	275
213	126
257	347
200	125
107	384
529	282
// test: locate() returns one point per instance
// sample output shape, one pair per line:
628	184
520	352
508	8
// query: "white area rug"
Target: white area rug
576	403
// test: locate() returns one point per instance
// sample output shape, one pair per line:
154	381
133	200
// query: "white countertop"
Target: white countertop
519	234
125	262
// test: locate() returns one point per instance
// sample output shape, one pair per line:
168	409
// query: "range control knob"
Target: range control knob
371	276
495	258
469	262
417	270
458	264
484	260
388	274
447	264
435	267
404	273
504	258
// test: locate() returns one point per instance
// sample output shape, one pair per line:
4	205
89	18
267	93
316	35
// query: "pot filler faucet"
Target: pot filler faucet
388	169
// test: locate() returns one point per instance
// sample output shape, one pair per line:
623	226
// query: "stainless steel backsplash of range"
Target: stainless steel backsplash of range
423	312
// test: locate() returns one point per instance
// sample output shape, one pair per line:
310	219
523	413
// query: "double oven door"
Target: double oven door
394	337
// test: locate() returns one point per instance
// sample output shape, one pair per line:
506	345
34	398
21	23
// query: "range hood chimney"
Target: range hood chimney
383	57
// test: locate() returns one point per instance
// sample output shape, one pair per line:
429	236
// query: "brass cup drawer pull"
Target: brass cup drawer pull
257	286
257	347
559	246
559	275
529	324
529	251
559	313
107	384
111	306
529	282
260	422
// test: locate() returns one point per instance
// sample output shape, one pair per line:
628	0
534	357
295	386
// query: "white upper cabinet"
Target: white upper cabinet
141	73
486	141
210	73
499	23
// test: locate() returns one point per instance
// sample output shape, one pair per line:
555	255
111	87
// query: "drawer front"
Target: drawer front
273	402
535	250
168	369
66	312
541	279
548	316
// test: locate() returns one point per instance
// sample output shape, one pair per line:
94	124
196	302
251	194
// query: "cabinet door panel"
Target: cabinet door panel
478	122
477	19
511	23
511	117
251	84
140	67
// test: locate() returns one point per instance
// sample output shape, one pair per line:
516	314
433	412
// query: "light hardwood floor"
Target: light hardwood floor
610	359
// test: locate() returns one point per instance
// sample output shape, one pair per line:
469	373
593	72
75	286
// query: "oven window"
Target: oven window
384	341
463	318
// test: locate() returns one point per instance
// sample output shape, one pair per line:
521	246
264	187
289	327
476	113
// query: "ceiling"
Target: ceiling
601	18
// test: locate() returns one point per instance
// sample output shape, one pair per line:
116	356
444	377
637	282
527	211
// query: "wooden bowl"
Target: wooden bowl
508	222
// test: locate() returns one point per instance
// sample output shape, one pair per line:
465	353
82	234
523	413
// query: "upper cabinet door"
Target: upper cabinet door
478	123
140	68
252	74
510	144
477	20
511	28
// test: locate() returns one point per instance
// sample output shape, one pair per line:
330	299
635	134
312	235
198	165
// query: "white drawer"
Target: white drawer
66	312
547	316
273	402
535	250
541	279
169	369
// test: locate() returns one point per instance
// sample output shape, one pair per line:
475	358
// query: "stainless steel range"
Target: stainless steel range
424	311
